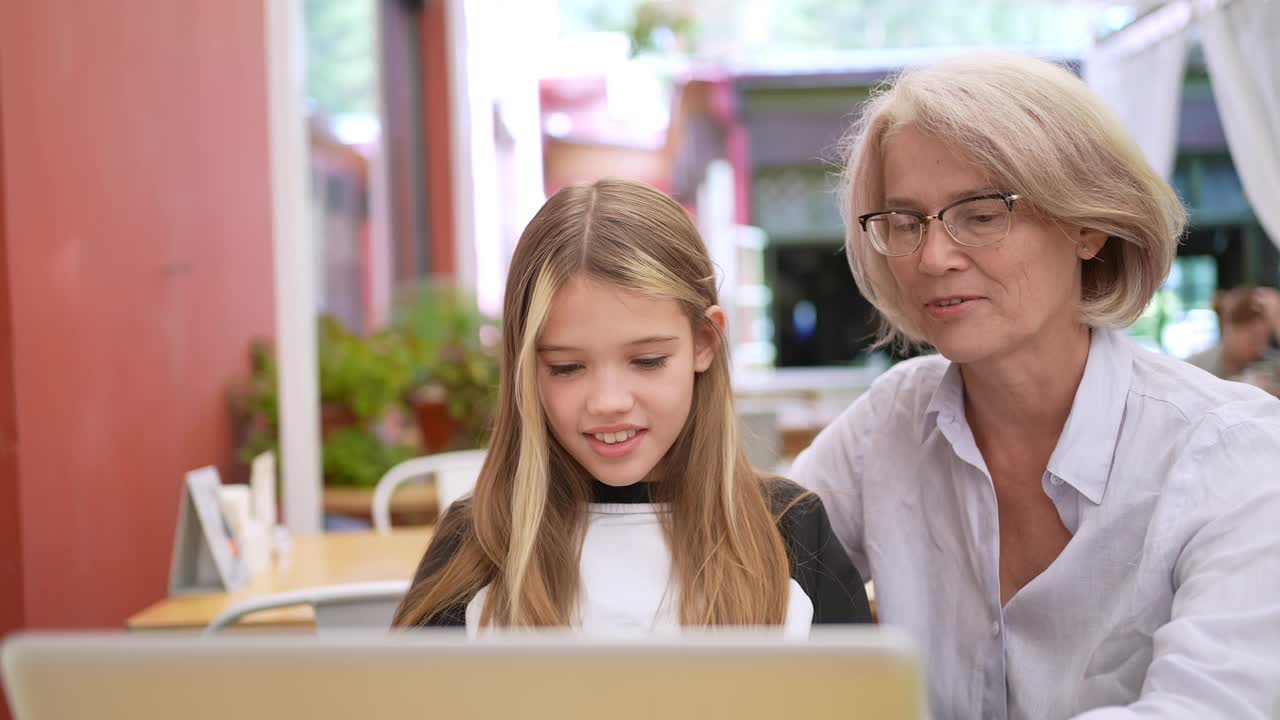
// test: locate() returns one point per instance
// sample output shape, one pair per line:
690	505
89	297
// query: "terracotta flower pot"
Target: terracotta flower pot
335	417
439	430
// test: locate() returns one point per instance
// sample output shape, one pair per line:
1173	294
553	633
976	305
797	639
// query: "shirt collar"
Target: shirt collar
1087	444
947	402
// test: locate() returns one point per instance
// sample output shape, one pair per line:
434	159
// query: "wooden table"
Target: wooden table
413	503
326	559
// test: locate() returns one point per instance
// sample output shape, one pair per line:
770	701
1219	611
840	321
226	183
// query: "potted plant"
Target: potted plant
453	347
362	381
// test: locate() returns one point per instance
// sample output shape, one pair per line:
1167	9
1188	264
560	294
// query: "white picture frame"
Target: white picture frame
205	556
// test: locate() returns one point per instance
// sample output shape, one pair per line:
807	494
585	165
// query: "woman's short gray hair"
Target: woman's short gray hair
1034	128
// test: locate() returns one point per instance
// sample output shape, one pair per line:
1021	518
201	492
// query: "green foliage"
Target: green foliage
362	379
367	375
440	345
341	67
355	457
445	334
255	405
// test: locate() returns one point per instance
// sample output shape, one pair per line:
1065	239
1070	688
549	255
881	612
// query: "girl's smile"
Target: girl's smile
617	377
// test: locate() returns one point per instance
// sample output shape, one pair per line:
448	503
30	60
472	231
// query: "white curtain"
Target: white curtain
1241	40
1138	73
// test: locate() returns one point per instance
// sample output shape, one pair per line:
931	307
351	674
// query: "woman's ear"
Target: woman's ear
1089	242
707	338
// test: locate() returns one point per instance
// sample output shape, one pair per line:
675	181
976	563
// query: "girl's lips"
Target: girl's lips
615	450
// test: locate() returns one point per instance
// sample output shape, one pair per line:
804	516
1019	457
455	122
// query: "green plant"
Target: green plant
356	457
366	375
453	346
361	381
255	404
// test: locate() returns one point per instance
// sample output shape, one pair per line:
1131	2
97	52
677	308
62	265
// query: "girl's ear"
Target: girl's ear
706	340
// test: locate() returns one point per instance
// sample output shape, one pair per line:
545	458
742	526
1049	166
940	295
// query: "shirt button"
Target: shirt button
995	628
1055	480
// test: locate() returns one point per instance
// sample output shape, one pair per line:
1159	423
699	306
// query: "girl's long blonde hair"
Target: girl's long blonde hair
521	532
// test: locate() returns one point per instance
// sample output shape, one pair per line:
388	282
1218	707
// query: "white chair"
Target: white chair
455	474
365	605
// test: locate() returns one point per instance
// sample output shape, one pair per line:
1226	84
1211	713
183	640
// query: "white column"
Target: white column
497	136
294	257
378	272
531	32
463	135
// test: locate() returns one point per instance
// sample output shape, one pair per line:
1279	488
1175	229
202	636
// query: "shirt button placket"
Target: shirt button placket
996	704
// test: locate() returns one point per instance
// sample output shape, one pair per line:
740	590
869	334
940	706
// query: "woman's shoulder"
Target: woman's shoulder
894	402
1208	360
906	387
1201	400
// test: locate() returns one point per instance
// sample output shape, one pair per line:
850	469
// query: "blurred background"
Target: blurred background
237	226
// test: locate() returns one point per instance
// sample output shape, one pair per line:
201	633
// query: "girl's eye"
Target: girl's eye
651	363
562	369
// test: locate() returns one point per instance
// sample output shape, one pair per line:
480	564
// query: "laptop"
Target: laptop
852	672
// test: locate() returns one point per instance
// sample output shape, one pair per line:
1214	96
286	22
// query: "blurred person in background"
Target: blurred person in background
1250	347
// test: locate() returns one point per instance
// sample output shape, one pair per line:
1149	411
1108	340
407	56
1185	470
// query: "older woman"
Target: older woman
1068	526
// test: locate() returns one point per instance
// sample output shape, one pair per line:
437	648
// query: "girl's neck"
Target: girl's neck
636	493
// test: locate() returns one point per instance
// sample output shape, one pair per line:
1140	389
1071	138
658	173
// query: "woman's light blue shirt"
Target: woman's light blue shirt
1166	601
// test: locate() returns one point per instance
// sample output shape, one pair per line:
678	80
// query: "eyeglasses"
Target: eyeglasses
972	222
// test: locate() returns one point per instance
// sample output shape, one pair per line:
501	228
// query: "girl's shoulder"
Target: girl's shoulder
790	502
779	491
454	526
819	563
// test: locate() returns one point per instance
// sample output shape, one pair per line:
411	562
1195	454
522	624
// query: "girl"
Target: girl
615	495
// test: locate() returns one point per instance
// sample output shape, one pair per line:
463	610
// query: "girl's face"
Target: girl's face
615	376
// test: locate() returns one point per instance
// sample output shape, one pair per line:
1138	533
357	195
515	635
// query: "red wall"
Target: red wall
438	136
11	614
136	240
10	521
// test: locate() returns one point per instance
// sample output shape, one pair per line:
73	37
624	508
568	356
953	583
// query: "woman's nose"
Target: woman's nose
939	252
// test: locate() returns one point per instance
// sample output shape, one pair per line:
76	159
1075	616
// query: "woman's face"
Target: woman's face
974	304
